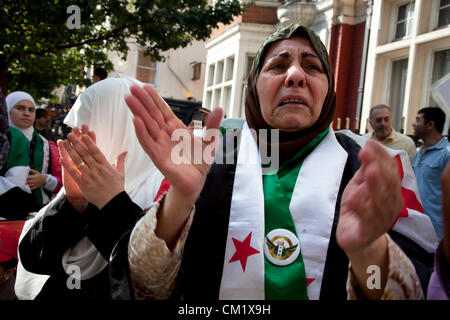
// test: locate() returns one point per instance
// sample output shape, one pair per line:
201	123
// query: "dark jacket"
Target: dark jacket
62	227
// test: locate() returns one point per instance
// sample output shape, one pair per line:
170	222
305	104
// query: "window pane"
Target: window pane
145	75
219	78
196	71
398	84
405	20
441	64
217	99
210	75
230	68
208	99
441	68
444	17
402	12
401	30
145	61
445	2
227	101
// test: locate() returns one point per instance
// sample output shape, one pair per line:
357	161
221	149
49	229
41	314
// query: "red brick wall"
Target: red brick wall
254	14
346	46
222	27
263	15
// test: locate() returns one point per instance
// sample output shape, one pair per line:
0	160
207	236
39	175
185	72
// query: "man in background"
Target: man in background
99	74
429	162
381	122
42	124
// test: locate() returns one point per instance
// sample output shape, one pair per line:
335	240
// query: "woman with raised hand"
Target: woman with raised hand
65	249
235	231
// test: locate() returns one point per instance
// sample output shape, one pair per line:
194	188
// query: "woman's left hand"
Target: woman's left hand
370	204
98	180
371	201
36	179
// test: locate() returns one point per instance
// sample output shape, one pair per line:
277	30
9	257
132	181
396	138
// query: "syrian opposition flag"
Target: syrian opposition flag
411	221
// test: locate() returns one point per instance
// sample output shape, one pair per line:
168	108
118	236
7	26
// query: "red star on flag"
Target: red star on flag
243	250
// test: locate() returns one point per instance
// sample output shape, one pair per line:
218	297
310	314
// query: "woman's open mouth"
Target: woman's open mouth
293	101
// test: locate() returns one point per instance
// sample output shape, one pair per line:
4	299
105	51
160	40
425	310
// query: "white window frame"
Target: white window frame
434	17
219	86
390	59
386	92
394	21
428	72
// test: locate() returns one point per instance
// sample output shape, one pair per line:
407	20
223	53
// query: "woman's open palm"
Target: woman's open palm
159	132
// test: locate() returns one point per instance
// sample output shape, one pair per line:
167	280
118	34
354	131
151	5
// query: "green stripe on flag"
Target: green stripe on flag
285	282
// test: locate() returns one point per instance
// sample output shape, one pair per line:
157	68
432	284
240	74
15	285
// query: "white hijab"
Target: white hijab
11	100
103	108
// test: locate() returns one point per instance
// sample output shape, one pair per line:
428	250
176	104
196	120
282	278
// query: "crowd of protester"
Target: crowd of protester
105	212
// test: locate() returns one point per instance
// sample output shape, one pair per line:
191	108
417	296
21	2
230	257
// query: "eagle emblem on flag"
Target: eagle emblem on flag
281	247
279	251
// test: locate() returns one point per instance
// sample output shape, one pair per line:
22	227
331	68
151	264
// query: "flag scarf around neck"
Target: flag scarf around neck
15	172
286	282
18	165
41	160
312	208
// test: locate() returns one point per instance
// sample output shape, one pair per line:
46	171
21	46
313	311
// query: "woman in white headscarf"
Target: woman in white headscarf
32	170
70	240
43	178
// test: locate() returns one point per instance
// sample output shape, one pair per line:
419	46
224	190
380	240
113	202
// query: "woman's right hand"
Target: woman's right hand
71	190
96	178
155	126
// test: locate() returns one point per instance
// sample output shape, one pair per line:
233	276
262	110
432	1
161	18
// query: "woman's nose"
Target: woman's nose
295	77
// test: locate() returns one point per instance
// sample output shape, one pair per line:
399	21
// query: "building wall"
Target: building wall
340	25
173	76
238	43
385	52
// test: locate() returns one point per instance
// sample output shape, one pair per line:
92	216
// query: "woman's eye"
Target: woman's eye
276	66
313	67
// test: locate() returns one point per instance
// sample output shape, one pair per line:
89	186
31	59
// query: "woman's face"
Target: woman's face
292	85
23	114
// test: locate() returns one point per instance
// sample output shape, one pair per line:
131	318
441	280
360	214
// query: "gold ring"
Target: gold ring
82	163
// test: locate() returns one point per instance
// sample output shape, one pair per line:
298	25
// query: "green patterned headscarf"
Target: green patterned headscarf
291	142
